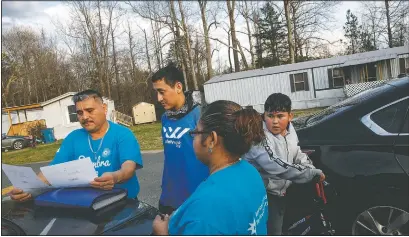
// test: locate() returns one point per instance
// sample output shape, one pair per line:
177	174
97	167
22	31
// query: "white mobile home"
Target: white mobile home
59	113
309	84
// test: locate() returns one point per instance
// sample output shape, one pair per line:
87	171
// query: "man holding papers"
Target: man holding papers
112	148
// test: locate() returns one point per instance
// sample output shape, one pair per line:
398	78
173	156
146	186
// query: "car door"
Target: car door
6	142
383	170
401	152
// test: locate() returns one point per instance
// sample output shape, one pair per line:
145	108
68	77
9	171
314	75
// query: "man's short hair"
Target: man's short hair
277	102
80	96
171	75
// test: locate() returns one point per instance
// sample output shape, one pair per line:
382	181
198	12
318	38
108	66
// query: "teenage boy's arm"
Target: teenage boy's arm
276	167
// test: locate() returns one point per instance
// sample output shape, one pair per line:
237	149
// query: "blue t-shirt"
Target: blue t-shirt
232	201
118	145
182	171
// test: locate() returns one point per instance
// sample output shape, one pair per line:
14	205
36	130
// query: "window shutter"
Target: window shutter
305	77
292	83
330	79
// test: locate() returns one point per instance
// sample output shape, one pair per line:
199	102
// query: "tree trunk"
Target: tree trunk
243	57
388	21
130	40
289	30
233	34
178	51
259	52
228	52
202	5
155	43
188	48
180	48
293	20
101	59
249	34
118	92
159	43
197	57
147	52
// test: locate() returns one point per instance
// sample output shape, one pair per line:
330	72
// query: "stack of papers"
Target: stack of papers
77	173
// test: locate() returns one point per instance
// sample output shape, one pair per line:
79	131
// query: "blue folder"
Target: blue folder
86	198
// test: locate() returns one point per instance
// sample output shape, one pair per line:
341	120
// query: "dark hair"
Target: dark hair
80	96
240	128
171	74
277	102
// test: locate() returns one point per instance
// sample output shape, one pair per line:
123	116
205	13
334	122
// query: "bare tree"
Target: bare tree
118	91
247	15
147	51
188	47
230	8
9	72
388	23
175	25
289	30
202	5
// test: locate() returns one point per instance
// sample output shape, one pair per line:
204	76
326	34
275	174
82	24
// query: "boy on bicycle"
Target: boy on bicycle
280	160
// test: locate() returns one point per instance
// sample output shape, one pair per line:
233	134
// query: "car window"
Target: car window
391	117
356	99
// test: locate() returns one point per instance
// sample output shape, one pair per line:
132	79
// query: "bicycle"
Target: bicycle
318	222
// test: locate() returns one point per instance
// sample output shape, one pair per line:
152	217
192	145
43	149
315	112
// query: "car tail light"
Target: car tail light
307	151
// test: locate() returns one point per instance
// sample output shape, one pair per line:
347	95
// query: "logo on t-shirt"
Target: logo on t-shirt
177	134
98	163
173	135
106	153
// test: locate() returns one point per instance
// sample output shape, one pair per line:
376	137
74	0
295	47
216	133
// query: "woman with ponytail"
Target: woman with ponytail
232	200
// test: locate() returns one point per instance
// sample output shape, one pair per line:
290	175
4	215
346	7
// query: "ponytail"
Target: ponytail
240	128
249	126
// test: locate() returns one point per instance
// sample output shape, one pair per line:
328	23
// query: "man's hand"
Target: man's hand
19	195
322	177
105	182
160	227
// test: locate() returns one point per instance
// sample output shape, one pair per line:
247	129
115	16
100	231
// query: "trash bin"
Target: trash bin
48	135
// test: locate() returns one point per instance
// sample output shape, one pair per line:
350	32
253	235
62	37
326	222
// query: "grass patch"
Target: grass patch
44	152
148	135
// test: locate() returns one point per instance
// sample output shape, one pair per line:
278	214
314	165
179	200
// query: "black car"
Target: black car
362	145
129	217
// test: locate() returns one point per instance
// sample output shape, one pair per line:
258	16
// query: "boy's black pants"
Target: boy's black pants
276	209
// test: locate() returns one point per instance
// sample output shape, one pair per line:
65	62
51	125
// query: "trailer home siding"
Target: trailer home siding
325	84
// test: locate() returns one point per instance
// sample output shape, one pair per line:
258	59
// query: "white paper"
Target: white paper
23	178
77	173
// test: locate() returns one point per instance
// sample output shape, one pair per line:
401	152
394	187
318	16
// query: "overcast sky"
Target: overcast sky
39	15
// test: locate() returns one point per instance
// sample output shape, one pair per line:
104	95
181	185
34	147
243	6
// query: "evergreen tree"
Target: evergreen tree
365	40
352	33
271	37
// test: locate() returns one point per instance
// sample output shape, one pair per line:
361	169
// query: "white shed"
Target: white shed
143	113
309	84
59	113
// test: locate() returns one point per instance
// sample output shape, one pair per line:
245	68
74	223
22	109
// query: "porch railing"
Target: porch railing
353	89
121	118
